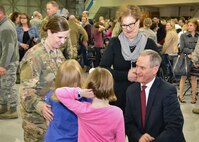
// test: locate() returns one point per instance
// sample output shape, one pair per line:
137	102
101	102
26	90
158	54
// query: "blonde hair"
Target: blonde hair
184	27
147	22
100	80
172	23
69	74
195	22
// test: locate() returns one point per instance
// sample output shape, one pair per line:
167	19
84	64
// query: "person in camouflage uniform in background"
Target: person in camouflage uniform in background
9	61
38	70
77	34
52	9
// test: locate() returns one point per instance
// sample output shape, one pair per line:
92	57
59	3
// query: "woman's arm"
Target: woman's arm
30	75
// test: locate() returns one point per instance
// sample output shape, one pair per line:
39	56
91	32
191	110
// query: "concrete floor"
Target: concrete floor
11	131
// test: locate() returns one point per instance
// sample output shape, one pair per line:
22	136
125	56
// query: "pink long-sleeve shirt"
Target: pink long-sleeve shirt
94	124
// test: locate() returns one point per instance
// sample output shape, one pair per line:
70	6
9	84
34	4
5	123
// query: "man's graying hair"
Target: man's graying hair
54	3
155	59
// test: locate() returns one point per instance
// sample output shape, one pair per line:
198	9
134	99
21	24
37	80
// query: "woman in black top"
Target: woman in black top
27	35
122	52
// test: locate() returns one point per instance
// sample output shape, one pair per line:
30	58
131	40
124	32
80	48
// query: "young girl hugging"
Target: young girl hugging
63	126
98	121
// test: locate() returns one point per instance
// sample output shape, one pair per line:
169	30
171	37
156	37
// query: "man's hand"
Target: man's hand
85	43
2	71
146	138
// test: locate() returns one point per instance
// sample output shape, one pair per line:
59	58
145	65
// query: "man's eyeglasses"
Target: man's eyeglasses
131	25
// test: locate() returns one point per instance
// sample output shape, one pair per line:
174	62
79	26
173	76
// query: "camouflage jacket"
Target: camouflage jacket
43	33
9	54
38	70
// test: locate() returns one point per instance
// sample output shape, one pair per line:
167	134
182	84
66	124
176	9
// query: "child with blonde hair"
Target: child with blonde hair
63	127
97	121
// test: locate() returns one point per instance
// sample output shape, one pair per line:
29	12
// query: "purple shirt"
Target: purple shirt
98	38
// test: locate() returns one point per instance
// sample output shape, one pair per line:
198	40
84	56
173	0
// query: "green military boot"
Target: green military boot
10	114
3	108
195	110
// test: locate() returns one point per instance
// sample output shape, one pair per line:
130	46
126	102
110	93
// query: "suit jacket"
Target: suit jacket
164	119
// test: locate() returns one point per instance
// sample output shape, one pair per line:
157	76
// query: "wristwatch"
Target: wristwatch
79	94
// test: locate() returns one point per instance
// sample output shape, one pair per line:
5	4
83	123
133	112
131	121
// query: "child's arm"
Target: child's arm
86	93
68	96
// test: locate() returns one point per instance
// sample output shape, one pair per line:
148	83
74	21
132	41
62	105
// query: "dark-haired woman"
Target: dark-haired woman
38	69
27	35
14	17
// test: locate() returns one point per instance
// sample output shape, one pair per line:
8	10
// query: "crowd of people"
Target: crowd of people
126	60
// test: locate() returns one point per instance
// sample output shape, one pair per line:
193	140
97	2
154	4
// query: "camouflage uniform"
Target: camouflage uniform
36	22
76	32
43	33
9	59
38	70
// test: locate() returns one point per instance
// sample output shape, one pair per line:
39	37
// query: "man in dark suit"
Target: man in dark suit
162	119
161	32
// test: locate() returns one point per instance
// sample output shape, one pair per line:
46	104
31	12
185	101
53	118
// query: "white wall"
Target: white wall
179	11
164	11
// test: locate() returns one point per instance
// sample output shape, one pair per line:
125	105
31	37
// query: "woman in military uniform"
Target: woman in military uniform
38	70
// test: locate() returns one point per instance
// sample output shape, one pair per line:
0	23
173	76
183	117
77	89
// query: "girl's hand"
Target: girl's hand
87	93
